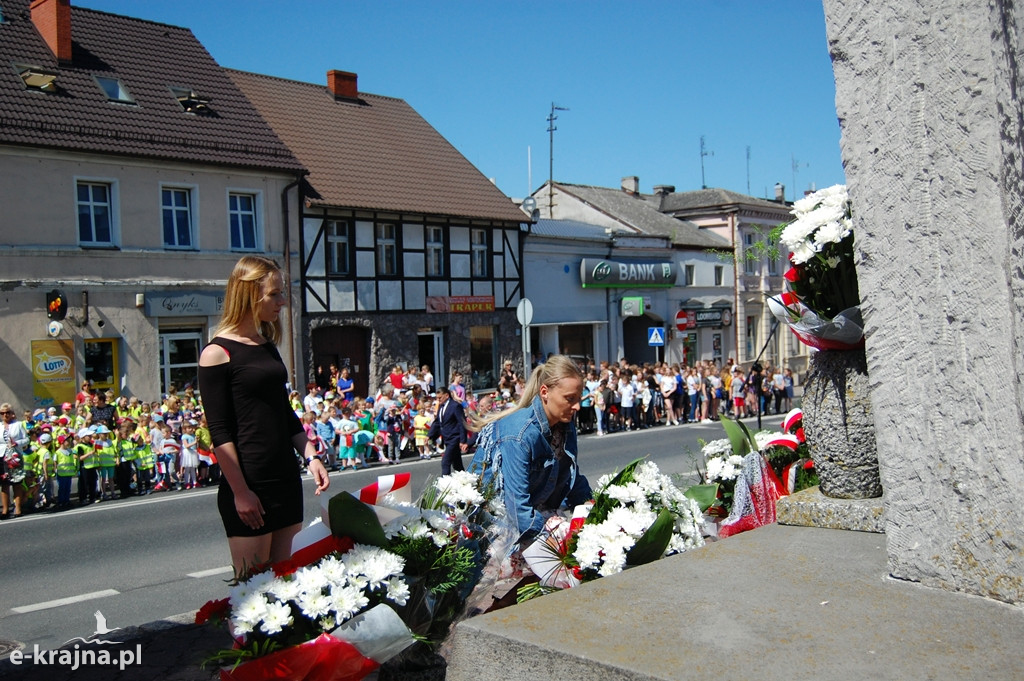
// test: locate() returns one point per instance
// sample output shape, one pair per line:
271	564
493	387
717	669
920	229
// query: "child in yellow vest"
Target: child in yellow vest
107	456
66	465
89	464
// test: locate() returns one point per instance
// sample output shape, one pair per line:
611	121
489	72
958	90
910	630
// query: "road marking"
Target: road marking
22	609
211	572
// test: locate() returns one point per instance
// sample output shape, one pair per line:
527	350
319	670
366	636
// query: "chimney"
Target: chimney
780	192
53	21
343	84
662	191
631	185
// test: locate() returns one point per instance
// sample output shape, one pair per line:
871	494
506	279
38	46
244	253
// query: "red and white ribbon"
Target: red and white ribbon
385	485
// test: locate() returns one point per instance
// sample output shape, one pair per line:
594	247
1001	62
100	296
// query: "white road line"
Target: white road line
21	609
211	572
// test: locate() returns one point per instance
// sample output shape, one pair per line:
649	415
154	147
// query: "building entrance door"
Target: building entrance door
344	346
431	345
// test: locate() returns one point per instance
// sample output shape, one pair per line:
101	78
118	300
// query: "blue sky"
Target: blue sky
643	80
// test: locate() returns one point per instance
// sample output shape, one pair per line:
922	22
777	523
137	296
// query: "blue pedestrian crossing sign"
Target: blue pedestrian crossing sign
655	336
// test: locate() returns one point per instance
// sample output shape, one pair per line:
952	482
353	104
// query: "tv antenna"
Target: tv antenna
703	153
551	156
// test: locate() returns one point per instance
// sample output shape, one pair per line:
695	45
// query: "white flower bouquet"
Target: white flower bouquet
638	516
821	303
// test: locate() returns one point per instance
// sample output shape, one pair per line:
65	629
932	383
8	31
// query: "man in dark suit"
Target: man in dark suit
450	425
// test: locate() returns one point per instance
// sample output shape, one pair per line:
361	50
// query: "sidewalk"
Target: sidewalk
169	650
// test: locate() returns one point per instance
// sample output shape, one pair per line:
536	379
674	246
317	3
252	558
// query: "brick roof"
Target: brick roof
148	58
376	153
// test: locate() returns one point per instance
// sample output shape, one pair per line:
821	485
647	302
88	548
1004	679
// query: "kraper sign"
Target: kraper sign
611	274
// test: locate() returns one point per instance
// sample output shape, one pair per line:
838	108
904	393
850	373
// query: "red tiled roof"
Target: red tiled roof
148	58
376	153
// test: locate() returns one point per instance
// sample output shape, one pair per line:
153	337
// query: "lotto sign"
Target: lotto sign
53	371
686	319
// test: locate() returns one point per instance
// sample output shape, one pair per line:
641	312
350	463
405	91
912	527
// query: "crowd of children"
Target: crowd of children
113	450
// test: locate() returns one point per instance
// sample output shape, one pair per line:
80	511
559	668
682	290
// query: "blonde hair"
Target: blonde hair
244	293
556	368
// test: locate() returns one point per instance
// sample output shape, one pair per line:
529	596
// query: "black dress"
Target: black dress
246	402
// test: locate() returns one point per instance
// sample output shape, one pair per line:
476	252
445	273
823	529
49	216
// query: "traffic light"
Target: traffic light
56	305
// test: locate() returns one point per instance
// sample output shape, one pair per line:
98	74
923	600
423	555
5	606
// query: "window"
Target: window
36	78
435	251
102	364
242	220
95	213
688	269
190	100
387	250
114	90
751	337
179	358
338	250
479	252
176	203
749	254
481	357
719	275
773	265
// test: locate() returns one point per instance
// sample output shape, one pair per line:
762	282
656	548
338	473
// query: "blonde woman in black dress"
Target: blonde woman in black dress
254	431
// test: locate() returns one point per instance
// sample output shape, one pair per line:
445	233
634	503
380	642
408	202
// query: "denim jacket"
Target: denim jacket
513	454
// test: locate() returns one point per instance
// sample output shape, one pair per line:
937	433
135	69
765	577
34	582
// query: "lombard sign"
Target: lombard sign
715	316
184	304
612	274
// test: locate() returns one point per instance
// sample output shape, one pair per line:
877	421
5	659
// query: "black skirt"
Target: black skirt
282	506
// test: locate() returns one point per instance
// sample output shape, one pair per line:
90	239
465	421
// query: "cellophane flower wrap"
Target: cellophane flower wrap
821	304
444	538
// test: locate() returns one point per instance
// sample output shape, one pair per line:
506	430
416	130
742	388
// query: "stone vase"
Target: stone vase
839	426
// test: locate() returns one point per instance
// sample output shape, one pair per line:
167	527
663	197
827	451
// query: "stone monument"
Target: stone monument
928	94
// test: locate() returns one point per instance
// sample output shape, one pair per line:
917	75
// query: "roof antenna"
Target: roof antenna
703	153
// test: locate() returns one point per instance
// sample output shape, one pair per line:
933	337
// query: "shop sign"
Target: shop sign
596	273
442	304
53	371
184	304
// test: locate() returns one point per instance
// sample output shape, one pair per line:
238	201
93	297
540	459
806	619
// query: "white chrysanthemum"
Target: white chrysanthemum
309	578
603	481
459	489
438	520
762	437
250	611
398	590
829	233
717	448
375	563
801	253
630	493
333	570
440	539
285	589
346	601
261	581
631	521
314	604
277	618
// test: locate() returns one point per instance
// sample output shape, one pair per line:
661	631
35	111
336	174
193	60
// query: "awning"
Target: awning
707	301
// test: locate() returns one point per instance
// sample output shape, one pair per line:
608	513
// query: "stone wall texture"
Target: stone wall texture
928	94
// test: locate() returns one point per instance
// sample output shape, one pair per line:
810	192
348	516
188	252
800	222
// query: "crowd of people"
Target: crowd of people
115	448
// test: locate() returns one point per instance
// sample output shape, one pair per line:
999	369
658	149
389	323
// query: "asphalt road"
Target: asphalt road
144	559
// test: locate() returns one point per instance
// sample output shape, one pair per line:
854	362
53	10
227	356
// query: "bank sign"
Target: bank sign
611	274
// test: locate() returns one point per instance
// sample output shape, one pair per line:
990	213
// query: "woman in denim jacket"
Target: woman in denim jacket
529	452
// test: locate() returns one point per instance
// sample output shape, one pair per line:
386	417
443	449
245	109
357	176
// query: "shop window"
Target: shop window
102	363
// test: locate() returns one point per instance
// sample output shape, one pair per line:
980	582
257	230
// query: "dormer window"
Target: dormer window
191	101
114	90
36	78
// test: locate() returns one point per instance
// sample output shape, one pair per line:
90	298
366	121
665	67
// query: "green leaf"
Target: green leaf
704	495
652	544
352	518
739	436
